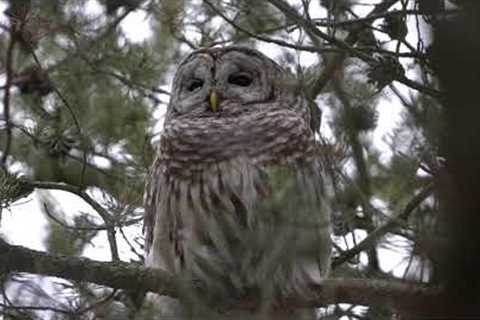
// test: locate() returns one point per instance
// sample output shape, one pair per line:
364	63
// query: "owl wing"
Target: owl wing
151	194
162	221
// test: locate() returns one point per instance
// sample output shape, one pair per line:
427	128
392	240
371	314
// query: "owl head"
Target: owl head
216	82
234	101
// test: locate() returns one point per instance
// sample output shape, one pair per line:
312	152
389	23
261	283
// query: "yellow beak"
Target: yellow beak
213	100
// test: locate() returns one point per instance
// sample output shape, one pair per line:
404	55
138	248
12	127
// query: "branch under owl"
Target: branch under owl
122	275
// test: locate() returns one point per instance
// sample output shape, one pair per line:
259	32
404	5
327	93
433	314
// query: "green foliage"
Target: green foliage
380	313
385	72
336	6
286	198
60	239
396	27
397	182
11	189
256	16
359	118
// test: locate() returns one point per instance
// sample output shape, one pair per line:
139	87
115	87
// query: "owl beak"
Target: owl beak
213	100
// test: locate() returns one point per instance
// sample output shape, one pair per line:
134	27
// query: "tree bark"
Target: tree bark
121	275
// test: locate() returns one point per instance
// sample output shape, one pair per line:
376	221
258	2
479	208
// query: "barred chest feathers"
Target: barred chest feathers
240	217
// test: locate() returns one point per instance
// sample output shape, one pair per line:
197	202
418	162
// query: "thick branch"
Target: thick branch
120	275
112	274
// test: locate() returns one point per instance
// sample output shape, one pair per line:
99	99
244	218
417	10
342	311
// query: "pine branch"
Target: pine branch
279	42
347	45
121	275
104	214
376	234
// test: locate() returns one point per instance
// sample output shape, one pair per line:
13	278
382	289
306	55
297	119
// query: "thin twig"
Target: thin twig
35	308
129	82
375	235
132	248
279	42
66	226
347	46
104	214
99	303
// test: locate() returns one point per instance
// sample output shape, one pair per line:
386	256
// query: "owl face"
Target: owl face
241	78
259	115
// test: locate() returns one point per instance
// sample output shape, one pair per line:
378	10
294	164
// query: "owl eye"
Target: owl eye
240	79
195	84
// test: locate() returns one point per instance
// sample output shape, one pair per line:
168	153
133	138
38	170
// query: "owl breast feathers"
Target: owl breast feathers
235	198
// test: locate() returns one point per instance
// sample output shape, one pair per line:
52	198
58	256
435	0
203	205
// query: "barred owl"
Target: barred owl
235	198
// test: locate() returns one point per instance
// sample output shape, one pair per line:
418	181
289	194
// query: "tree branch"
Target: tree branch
282	43
347	45
104	214
375	235
121	275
